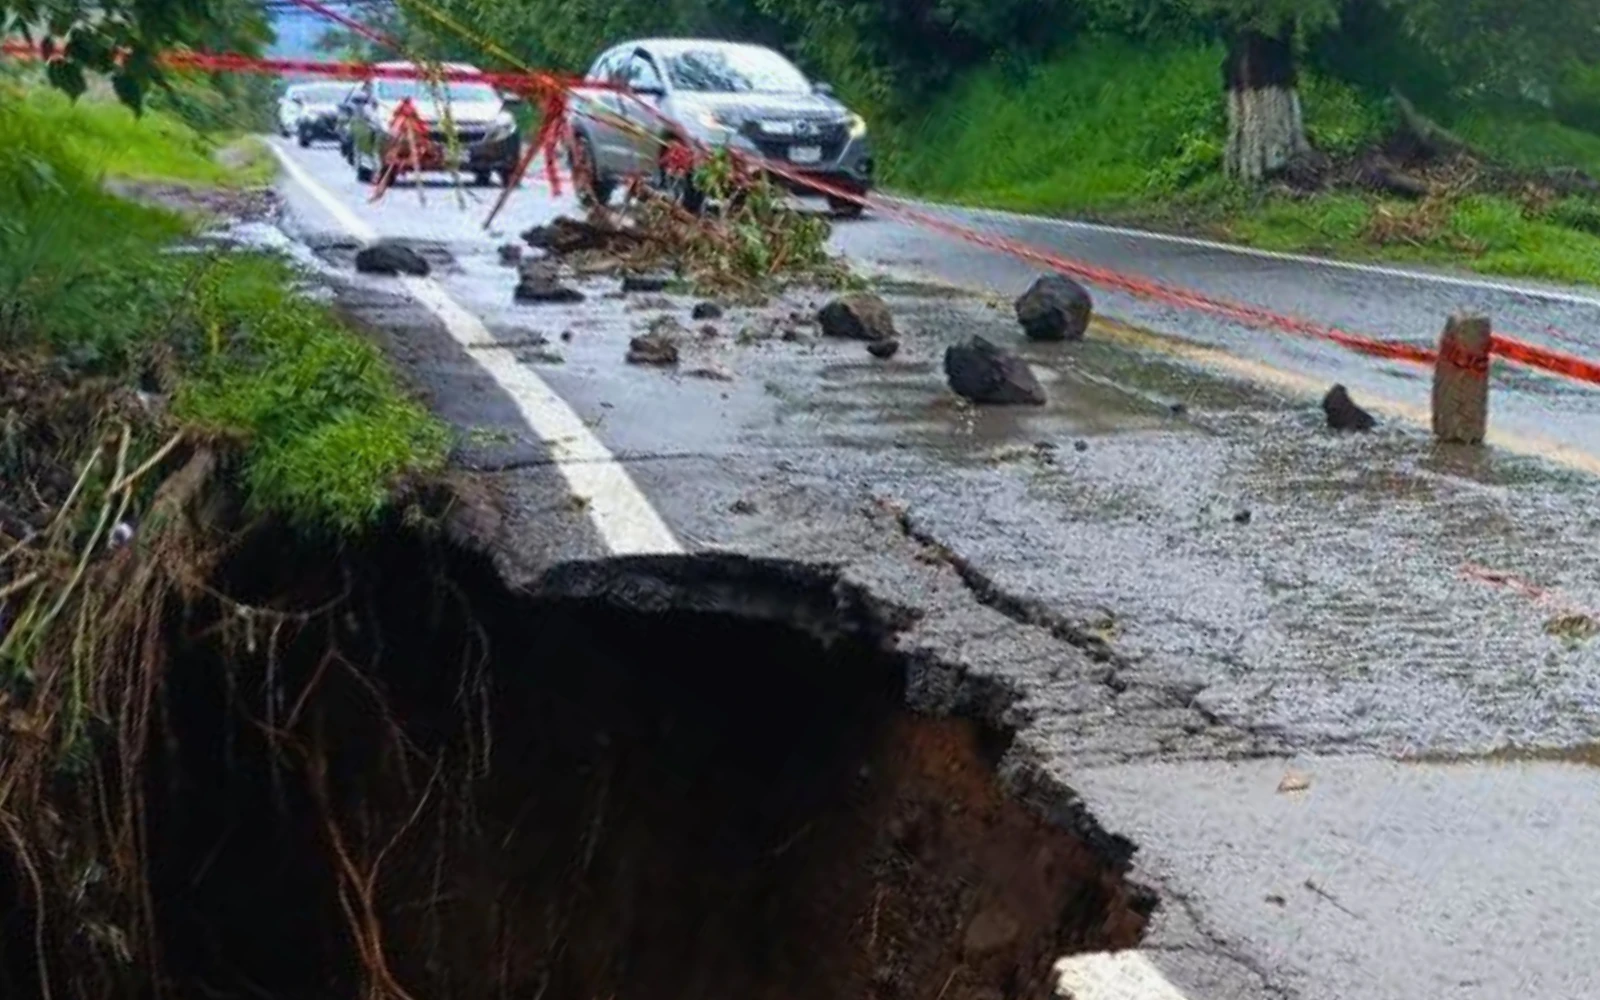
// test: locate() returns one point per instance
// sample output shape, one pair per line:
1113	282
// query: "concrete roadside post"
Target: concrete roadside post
1461	381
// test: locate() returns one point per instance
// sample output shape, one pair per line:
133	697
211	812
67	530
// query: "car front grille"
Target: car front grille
464	136
831	136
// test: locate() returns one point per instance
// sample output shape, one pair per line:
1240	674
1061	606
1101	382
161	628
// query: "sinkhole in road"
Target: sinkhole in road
449	789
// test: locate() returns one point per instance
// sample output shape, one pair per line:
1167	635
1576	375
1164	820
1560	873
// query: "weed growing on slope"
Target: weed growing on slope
142	391
221	339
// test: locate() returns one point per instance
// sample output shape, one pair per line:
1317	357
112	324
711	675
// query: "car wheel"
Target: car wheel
592	189
363	172
845	208
305	139
483	178
508	176
679	186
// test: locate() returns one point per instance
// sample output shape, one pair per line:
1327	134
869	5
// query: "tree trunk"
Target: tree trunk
1266	129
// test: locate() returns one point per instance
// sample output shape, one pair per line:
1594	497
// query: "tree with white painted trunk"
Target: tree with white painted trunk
1266	124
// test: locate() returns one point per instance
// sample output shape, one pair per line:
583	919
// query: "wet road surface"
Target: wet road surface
1193	600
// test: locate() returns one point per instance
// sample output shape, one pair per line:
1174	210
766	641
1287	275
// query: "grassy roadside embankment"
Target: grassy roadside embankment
159	410
1116	132
322	427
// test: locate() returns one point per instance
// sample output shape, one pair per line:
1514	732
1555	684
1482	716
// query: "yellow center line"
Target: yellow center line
1296	383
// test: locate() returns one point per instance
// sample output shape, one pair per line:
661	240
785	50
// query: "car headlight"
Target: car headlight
708	120
504	124
858	126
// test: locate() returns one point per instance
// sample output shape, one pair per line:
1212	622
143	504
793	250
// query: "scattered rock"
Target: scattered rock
510	254
566	336
1178	409
1055	308
708	331
712	372
884	349
539	283
1242	517
652	349
1573	627
983	373
706	310
743	506
650	302
645	283
390	258
1294	781
992	930
857	317
568	235
1080	445
657	346
1343	414
751	335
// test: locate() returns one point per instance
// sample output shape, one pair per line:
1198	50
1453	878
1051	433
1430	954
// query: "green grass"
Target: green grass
108	138
323	427
1132	134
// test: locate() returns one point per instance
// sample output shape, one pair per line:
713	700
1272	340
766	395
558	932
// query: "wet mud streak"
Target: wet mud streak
569	799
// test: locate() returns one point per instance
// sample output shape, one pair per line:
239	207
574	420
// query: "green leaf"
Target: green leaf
67	77
130	91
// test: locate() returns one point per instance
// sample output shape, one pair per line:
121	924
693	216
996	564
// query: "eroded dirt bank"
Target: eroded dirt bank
417	783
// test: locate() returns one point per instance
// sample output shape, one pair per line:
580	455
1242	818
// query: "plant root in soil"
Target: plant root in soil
380	773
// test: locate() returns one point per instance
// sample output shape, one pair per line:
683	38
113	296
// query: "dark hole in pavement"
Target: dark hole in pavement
568	799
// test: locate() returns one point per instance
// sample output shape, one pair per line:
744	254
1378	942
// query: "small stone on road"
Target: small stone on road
1343	414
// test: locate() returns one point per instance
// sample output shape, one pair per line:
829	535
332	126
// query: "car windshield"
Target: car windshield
326	94
454	91
735	71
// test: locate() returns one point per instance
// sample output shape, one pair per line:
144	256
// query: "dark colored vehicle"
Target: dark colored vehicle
346	116
746	98
309	111
470	126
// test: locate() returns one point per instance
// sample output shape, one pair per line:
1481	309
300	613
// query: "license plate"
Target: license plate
805	154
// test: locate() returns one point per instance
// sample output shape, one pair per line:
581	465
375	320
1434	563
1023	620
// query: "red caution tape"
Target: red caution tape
552	90
408	149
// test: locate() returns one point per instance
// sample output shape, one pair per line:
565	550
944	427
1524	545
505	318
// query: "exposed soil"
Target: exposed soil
241	204
562	798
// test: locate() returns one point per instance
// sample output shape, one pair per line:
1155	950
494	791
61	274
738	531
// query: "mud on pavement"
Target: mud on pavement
458	757
842	730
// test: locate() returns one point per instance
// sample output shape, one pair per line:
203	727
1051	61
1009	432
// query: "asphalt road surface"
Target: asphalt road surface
1280	600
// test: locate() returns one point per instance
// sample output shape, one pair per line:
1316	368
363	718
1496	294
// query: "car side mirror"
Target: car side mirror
825	89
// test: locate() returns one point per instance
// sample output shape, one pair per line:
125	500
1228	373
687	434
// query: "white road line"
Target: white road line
1121	975
629	525
620	512
1458	281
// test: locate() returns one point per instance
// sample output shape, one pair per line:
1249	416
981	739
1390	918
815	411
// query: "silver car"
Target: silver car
744	97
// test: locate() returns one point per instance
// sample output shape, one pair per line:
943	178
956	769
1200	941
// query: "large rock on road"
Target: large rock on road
390	258
857	317
1055	308
985	373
